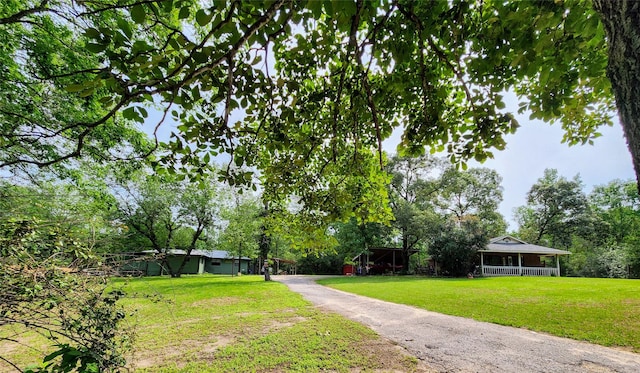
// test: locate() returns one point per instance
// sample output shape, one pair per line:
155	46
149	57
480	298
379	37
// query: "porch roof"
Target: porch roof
512	245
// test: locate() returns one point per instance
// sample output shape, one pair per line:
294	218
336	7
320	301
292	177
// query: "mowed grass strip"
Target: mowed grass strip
244	324
601	311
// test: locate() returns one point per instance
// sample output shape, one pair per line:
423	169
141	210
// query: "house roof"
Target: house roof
512	245
211	254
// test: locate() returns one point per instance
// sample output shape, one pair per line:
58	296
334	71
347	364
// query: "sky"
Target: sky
537	146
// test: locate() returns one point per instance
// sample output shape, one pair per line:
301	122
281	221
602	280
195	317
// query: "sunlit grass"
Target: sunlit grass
601	311
243	324
236	324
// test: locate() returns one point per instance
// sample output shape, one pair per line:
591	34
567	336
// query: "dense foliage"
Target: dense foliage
600	229
47	243
164	213
301	90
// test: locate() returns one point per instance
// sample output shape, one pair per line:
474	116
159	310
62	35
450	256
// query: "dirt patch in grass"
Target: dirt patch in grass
186	351
380	353
217	301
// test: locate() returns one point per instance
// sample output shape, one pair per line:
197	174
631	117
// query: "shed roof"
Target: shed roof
211	254
512	245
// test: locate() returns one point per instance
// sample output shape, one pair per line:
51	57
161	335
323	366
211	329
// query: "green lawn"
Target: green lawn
236	324
601	311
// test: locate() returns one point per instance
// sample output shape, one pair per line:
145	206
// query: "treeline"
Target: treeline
435	209
447	214
601	229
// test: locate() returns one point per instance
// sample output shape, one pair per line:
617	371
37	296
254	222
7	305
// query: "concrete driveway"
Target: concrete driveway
455	344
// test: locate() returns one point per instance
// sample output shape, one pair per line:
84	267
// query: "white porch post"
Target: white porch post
482	262
519	264
557	265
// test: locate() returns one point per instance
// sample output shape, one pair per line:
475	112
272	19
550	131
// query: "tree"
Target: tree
620	20
157	208
47	237
455	247
473	194
320	83
199	207
556	209
50	113
413	188
241	235
618	205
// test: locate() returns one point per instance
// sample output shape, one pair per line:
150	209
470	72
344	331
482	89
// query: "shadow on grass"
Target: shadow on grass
191	283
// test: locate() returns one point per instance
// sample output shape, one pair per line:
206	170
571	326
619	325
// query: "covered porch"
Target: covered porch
509	256
380	260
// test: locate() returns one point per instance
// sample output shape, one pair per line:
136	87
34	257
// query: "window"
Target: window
216	262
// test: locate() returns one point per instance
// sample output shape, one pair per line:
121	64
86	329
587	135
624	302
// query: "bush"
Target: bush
455	248
44	290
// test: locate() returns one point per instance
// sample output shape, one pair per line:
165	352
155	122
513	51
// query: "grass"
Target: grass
600	311
241	324
225	324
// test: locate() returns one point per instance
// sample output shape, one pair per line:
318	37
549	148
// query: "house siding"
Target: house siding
225	266
196	264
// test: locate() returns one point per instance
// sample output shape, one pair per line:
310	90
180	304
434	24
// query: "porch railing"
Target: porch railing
518	271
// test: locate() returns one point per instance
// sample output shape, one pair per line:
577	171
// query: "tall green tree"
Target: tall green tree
159	208
241	233
618	205
413	189
455	247
556	209
355	238
320	82
473	194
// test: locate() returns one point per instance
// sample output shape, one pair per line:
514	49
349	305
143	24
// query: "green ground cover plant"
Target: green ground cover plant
601	311
211	323
244	324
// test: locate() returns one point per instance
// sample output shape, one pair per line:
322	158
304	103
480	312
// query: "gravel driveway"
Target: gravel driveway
455	344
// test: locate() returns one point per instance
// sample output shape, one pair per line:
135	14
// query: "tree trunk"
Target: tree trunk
186	258
267	276
621	21
405	261
405	251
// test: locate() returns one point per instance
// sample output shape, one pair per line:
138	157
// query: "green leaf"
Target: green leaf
202	17
75	87
131	114
138	14
95	47
92	33
143	112
315	6
125	27
87	92
184	12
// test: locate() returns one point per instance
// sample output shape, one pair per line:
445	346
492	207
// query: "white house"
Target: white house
509	256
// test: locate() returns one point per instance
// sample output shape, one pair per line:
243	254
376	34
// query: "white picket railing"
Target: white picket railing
518	271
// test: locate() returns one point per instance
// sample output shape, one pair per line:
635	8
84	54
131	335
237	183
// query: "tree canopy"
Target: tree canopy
302	90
